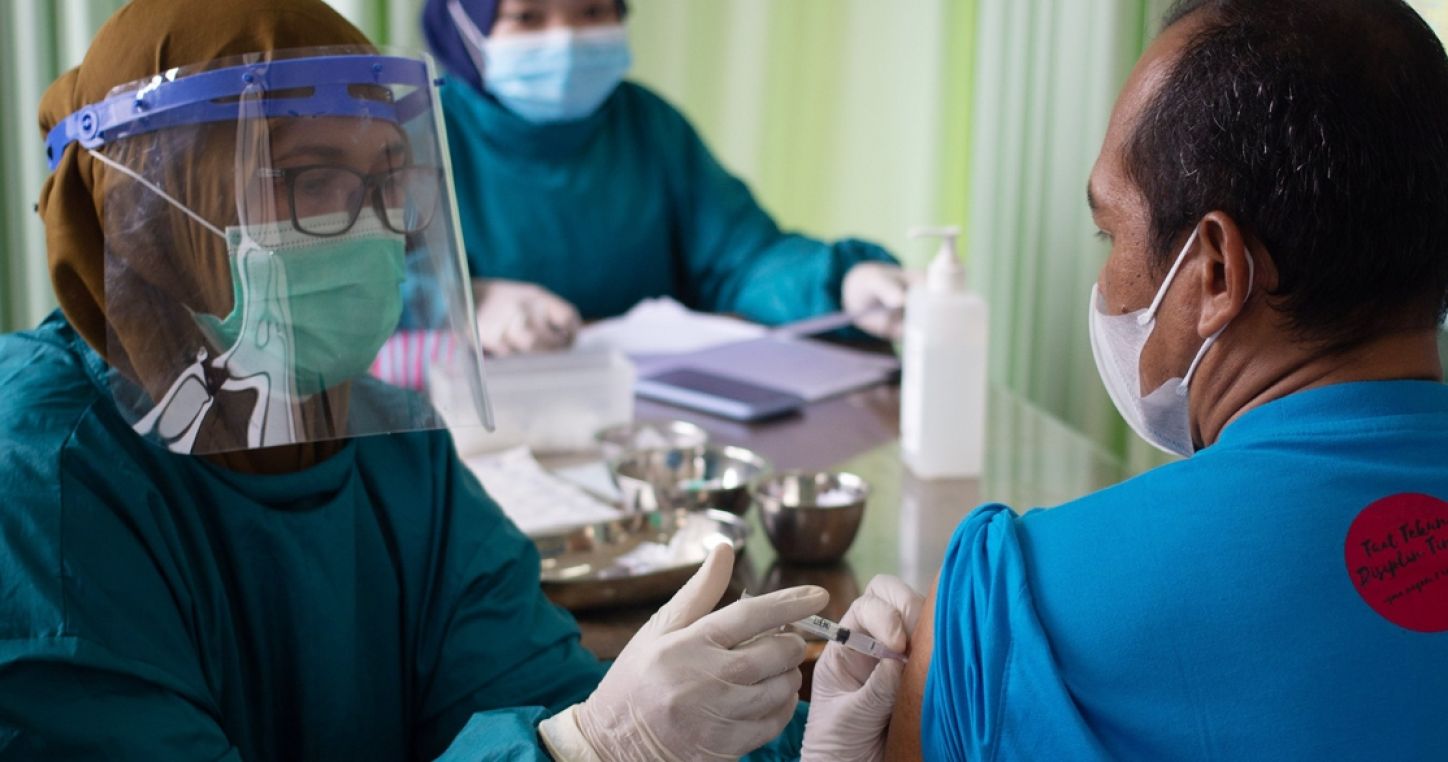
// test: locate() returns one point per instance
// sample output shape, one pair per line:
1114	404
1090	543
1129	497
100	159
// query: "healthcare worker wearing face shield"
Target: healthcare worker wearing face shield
1272	184
581	193
219	538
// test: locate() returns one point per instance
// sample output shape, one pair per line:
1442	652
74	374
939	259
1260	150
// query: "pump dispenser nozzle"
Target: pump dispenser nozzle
946	273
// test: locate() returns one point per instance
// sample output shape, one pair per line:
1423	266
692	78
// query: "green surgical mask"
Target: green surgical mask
315	310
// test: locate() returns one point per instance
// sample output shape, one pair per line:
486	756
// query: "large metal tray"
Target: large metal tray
640	558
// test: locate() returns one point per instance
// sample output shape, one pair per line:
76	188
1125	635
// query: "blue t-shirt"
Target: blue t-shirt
1217	608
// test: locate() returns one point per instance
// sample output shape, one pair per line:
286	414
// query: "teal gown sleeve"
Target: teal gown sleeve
507	657
735	259
67	690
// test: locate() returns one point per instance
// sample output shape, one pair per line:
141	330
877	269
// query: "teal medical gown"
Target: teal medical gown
155	607
1206	610
624	205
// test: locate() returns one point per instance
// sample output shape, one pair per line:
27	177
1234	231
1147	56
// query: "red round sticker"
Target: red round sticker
1397	556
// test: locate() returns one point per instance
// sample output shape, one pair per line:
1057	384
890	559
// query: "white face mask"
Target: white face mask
1163	417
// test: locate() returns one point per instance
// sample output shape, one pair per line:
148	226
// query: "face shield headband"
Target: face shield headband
301	87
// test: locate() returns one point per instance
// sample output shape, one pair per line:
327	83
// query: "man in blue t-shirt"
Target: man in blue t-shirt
1273	184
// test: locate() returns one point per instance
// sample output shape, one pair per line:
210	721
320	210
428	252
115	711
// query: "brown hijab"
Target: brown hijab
155	274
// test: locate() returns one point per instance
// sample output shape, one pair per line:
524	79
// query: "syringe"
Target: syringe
832	631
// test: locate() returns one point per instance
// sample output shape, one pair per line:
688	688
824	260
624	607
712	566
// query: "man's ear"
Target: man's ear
1228	277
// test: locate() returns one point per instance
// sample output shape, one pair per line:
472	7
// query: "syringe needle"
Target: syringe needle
832	631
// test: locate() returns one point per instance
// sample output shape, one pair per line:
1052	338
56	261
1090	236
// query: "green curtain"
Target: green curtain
386	22
1435	11
40	39
846	117
1047	74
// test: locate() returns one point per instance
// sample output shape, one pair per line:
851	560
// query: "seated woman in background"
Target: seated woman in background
582	194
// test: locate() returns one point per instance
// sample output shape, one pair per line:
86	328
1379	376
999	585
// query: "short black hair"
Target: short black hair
1321	127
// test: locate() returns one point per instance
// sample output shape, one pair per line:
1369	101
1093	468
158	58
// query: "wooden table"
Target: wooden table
1031	460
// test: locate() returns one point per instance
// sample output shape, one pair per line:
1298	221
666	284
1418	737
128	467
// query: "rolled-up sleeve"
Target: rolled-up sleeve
994	690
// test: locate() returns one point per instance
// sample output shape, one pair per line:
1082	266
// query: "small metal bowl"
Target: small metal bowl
811	517
696	478
614	441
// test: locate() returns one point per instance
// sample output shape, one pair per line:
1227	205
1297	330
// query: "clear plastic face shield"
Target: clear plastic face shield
283	257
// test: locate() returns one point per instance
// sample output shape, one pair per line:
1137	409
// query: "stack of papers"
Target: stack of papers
661	335
537	501
662	326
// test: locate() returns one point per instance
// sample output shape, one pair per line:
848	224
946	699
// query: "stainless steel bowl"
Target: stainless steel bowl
811	517
639	558
614	441
696	478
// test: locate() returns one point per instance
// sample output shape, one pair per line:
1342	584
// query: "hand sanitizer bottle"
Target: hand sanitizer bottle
943	382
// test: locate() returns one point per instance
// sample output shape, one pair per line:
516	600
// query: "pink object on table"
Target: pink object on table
405	358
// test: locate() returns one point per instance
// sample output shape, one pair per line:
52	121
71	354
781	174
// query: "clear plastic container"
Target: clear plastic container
553	403
943	378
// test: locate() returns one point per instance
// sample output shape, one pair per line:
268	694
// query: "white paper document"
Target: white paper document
536	500
593	477
664	327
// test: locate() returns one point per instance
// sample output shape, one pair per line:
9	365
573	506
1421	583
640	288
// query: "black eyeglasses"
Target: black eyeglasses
326	200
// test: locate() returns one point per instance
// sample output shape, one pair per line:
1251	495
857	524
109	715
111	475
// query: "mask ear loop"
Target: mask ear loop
156	189
1201	353
1150	314
179	439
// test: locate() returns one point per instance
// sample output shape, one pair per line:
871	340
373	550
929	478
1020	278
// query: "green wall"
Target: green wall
846	117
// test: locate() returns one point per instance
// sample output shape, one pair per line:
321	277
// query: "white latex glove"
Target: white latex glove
879	290
694	684
516	317
853	694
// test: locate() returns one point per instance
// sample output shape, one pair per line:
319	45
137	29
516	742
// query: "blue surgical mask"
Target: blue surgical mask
559	75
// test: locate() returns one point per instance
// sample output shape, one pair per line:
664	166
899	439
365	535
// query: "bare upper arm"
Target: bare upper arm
903	740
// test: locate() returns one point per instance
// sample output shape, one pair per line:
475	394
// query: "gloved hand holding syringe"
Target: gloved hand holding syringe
832	631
